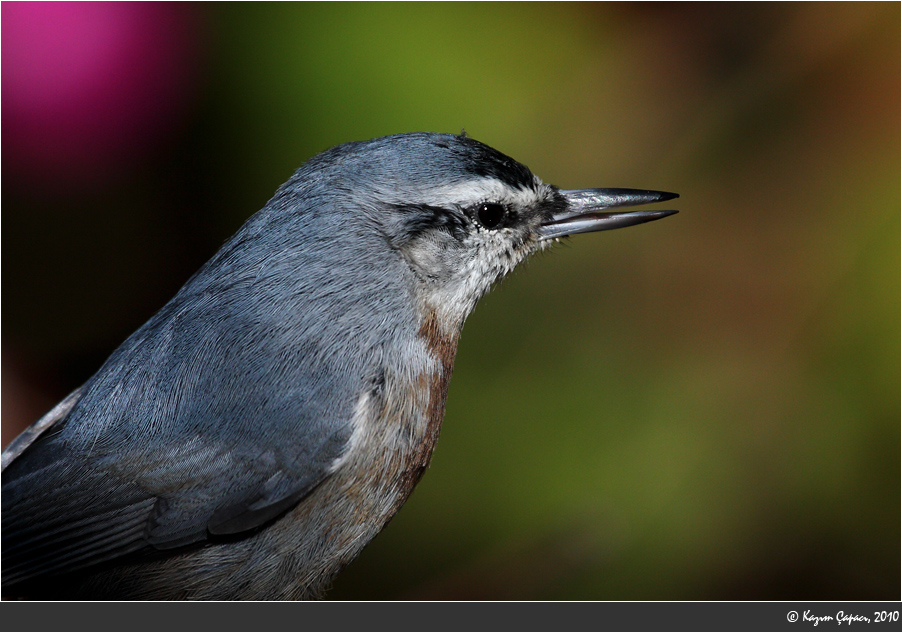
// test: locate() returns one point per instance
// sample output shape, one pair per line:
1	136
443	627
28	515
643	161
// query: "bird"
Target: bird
262	427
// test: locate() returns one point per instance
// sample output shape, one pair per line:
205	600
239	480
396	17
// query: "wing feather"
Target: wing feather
220	413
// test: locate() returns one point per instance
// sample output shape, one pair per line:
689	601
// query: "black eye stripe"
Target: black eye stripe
490	214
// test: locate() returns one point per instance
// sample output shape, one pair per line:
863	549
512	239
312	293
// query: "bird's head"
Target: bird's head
463	215
460	214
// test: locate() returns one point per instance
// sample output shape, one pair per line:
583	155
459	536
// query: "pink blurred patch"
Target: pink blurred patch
90	85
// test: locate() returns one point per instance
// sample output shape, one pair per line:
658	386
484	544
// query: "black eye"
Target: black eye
490	215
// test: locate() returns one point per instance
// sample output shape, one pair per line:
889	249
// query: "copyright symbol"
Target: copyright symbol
793	616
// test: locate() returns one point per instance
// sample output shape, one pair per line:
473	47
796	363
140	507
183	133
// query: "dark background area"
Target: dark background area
706	407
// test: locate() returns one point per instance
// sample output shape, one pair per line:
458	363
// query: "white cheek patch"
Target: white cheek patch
432	256
492	256
454	274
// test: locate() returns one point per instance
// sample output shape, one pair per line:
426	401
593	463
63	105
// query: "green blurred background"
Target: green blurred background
707	407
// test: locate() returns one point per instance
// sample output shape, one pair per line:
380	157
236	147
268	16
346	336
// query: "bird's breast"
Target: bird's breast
397	423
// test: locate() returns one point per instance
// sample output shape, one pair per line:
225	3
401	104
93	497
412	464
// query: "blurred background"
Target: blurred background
706	407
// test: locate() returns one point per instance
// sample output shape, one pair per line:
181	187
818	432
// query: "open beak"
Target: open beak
587	212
